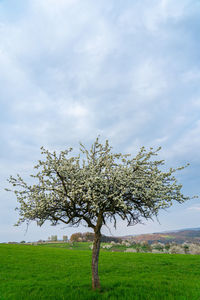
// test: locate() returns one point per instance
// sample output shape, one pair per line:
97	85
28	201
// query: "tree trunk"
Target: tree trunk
95	260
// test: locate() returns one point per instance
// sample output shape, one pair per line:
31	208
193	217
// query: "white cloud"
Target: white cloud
191	76
153	17
188	144
73	109
196	103
149	81
195	208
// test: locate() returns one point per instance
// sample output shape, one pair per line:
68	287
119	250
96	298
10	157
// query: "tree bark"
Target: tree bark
95	260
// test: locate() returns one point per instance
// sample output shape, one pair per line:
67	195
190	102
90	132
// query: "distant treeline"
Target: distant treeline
89	237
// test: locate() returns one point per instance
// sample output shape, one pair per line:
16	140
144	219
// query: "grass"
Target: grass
70	246
83	246
41	272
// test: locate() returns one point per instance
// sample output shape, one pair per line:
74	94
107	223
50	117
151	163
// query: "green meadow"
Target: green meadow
50	272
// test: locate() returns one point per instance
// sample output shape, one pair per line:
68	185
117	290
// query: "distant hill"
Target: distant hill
177	236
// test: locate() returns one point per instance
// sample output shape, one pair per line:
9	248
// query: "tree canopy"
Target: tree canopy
95	187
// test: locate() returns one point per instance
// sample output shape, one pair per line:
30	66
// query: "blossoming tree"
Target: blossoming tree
96	187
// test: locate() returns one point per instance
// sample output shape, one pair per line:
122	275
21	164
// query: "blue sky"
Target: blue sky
127	70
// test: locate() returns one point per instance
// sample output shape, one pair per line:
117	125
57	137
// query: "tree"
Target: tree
76	237
65	238
88	236
54	238
95	187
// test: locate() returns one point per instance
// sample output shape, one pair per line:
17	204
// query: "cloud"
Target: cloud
194	208
149	81
59	59
187	144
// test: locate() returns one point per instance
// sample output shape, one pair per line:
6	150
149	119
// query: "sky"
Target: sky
71	70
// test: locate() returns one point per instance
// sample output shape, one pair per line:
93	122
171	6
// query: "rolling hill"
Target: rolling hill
177	236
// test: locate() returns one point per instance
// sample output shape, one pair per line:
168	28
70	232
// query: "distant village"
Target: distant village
75	237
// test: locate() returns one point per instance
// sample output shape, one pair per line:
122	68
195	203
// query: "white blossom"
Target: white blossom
130	250
75	189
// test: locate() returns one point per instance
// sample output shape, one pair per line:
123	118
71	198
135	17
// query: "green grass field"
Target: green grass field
41	272
84	246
